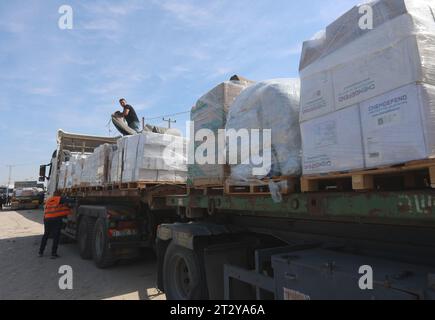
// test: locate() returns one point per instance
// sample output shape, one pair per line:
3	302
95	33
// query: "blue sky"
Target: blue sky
161	55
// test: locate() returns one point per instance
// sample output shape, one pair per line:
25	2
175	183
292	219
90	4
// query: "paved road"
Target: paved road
25	276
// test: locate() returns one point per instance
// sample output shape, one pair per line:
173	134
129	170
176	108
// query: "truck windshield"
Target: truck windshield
3	190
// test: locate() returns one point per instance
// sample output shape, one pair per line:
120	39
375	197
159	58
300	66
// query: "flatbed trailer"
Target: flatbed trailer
308	246
211	245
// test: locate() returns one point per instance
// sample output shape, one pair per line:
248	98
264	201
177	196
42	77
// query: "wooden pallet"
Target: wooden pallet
141	185
202	183
260	187
411	174
206	190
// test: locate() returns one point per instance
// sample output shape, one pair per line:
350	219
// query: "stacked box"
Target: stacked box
96	166
210	113
116	163
76	171
149	157
268	105
399	126
332	142
348	66
73	171
63	173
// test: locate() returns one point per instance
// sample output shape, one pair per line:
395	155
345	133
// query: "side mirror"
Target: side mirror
42	172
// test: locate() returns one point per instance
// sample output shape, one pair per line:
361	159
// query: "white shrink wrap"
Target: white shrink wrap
151	157
333	143
347	65
63	172
273	105
116	163
387	73
399	126
96	166
75	175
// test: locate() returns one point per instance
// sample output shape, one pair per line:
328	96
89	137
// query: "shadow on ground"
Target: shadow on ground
25	276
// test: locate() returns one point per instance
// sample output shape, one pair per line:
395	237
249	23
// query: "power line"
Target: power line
109	123
168	115
22	164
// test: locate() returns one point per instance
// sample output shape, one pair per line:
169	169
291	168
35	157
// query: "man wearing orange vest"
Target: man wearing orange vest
56	208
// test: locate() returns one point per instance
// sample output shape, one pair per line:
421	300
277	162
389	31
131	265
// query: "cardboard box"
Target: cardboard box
333	142
399	126
152	157
210	113
346	29
379	72
400	50
317	95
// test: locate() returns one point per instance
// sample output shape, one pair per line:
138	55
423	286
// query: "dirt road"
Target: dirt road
25	276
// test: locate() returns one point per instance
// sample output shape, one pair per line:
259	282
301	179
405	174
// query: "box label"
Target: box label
326	134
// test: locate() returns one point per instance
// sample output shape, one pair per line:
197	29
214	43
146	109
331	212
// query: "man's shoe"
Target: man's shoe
55	256
40	255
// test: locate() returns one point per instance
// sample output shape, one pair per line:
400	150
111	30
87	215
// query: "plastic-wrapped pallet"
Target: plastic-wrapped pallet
152	157
384	76
272	104
347	65
210	113
116	163
63	172
68	177
96	166
74	176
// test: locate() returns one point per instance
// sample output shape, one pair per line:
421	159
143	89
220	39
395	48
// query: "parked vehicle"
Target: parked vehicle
25	198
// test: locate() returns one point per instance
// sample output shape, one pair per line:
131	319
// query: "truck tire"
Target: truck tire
101	252
183	274
84	237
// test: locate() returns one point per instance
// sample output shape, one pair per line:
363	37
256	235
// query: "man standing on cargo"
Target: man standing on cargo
56	208
129	114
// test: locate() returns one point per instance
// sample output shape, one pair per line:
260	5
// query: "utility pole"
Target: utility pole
9	179
169	121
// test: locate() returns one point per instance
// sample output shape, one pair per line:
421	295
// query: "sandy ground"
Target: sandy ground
23	275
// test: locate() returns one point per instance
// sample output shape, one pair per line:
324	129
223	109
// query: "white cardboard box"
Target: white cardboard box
363	78
317	95
394	54
333	142
376	73
399	126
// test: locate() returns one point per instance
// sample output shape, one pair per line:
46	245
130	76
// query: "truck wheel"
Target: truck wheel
101	254
84	237
183	275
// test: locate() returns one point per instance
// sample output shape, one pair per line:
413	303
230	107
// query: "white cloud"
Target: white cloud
120	8
186	12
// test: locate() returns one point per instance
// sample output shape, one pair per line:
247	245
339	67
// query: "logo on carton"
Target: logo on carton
355	92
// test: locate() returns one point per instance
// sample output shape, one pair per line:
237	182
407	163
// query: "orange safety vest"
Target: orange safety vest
53	209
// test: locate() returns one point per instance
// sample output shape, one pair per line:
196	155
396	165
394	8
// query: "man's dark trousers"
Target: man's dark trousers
52	228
